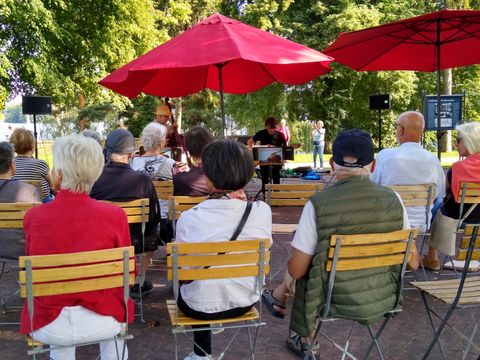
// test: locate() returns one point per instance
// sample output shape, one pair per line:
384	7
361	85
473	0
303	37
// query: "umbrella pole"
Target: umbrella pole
439	97
222	101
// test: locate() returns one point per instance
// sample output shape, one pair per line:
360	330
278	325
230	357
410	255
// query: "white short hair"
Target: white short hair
81	161
153	135
353	171
470	134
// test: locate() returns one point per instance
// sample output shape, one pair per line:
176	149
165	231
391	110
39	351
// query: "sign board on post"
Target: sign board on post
450	114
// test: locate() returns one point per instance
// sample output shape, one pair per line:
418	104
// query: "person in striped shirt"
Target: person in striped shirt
27	167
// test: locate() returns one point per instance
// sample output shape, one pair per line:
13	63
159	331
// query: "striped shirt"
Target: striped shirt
29	168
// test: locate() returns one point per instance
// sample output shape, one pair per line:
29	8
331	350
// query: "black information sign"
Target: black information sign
450	113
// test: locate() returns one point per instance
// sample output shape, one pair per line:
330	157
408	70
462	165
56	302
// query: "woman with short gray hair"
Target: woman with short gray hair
152	163
74	222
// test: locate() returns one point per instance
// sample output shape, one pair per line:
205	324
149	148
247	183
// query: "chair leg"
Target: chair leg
253	344
347	343
425	237
377	336
436	332
176	346
375	341
470	341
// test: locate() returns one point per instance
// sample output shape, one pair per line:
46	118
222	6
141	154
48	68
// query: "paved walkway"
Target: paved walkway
406	336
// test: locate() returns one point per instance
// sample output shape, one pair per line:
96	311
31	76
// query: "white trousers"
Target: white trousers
76	325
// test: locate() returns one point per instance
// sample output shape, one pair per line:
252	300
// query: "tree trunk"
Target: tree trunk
446	141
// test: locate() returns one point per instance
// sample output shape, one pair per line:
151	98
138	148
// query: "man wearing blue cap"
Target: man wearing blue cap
353	205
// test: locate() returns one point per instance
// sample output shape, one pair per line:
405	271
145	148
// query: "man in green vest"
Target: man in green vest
353	205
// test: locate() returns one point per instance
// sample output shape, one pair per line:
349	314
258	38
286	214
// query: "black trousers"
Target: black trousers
265	172
203	341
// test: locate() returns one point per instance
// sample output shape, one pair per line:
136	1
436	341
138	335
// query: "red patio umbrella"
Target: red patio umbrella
430	42
221	54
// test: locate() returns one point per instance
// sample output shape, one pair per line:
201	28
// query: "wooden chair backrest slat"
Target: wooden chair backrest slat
462	254
164	188
228	259
75	259
73	272
179	204
224	259
11	214
77	286
291	194
296	187
93	270
416	195
363	251
472	192
133	209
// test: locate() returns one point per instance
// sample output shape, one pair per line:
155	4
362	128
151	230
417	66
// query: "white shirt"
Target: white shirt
306	240
410	164
214	221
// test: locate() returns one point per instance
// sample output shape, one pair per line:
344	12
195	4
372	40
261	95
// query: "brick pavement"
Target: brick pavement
405	337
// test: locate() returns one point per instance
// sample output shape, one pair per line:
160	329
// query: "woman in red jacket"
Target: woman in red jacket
73	222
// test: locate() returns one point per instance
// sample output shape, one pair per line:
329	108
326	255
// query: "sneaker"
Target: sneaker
433	265
193	356
147	288
298	345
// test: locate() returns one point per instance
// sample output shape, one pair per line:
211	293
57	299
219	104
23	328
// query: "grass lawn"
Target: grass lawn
447	158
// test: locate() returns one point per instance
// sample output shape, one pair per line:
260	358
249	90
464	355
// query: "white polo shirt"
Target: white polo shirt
410	164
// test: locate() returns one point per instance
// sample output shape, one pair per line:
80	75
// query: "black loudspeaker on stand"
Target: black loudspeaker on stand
36	105
379	102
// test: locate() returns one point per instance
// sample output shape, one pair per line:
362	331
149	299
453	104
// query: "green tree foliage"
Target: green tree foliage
61	48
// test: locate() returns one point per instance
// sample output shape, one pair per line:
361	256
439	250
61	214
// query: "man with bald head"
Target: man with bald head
410	164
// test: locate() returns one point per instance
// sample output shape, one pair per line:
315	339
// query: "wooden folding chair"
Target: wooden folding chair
11	217
220	260
137	213
418	195
463	293
360	252
60	274
164	188
179	204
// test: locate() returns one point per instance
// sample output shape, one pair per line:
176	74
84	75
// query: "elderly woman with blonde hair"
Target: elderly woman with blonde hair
442	231
74	222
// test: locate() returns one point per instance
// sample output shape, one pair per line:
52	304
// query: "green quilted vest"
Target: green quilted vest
352	206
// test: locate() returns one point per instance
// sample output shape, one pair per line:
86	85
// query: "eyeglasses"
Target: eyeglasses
398	124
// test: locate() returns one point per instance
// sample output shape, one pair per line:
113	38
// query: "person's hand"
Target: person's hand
250	143
181	167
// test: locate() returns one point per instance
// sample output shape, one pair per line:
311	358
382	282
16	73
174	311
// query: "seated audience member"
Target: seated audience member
27	167
12	241
228	166
444	224
157	167
119	182
193	182
410	164
338	210
272	137
152	163
74	222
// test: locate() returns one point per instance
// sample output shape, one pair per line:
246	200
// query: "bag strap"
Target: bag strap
242	222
